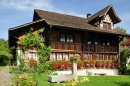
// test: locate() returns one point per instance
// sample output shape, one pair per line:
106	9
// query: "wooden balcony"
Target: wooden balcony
100	48
66	47
106	49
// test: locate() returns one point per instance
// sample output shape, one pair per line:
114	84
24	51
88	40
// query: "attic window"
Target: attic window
107	26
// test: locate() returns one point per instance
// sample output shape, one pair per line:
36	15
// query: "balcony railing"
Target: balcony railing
65	46
99	48
78	47
105	48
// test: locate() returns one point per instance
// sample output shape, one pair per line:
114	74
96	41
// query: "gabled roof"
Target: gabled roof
110	10
64	20
74	22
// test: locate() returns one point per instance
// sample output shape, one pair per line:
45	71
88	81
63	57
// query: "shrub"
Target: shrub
24	80
75	81
4	60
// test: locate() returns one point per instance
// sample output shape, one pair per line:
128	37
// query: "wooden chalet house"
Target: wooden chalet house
93	38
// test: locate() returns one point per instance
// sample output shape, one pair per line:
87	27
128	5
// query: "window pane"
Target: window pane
62	37
71	38
89	42
96	42
109	26
68	38
104	26
32	55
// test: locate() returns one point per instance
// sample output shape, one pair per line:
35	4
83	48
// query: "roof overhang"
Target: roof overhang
87	29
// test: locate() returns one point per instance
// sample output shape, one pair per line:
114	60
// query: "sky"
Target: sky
17	12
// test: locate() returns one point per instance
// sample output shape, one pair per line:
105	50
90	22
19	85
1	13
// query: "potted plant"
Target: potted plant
105	64
87	63
109	63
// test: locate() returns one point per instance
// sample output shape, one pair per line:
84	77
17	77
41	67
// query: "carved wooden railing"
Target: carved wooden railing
88	48
99	48
104	48
65	46
100	52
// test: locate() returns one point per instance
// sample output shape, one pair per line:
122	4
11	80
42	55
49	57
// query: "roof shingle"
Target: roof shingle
59	19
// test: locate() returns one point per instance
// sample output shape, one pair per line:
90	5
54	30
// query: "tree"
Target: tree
5	55
124	53
122	30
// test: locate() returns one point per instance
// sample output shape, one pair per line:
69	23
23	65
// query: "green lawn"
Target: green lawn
1	67
107	81
93	81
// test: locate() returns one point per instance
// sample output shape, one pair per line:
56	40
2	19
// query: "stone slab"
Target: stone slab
59	78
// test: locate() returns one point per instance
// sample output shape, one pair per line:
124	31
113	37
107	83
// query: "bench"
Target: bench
101	74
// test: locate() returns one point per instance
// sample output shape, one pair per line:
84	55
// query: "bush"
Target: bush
123	58
24	80
75	81
4	60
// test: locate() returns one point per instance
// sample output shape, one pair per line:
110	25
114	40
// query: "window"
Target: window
108	43
62	37
32	54
42	38
106	26
66	38
89	42
69	38
96	41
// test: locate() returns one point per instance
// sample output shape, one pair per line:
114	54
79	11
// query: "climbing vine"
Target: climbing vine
32	40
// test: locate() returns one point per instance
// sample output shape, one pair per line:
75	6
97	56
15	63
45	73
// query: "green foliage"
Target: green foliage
5	55
21	64
24	80
43	52
75	81
12	69
123	58
120	29
72	82
33	40
44	68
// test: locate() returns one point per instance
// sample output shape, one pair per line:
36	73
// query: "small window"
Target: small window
66	38
89	42
106	26
42	38
108	43
32	54
104	43
62	37
96	41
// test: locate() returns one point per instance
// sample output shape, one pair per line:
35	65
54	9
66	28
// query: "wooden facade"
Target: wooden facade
93	38
90	45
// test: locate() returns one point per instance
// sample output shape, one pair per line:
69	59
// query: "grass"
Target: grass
1	67
107	81
93	81
43	80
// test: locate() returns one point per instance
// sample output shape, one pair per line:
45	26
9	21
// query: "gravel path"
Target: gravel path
5	77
